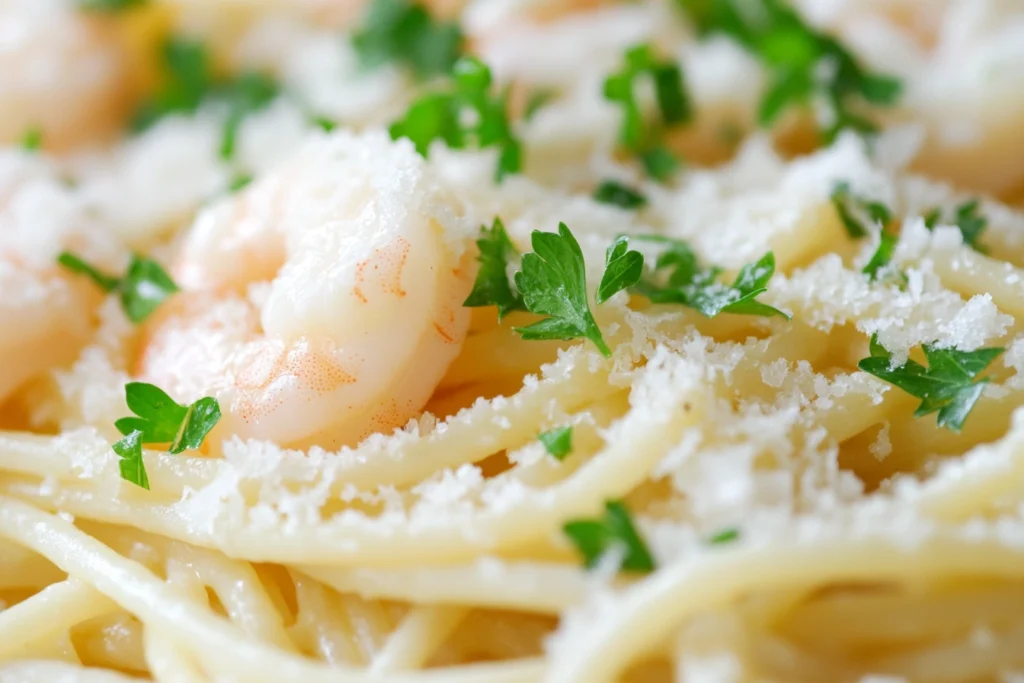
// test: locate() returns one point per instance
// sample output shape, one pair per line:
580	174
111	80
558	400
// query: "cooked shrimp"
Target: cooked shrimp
324	302
46	314
62	72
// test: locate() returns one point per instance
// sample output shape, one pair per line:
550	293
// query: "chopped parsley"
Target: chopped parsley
190	81
159	419
111	6
882	257
536	101
679	278
660	163
492	286
638	135
805	65
946	386
239	182
553	282
967	218
403	31
615	193
852	210
724	536
246	94
558	442
442	116
32	139
594	537
141	289
622	269
131	465
323	123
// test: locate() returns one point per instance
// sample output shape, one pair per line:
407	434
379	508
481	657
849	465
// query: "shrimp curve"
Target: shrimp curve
62	72
323	303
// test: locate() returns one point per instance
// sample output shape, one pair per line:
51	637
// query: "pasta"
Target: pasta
752	417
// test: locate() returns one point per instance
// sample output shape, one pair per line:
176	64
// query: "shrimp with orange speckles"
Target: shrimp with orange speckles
324	302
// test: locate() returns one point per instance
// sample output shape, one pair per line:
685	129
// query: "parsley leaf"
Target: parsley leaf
853	208
439	115
967	219
724	536
617	194
622	269
247	94
239	182
434	116
111	6
690	284
558	442
190	80
660	163
536	101
492	286
133	469
673	101
142	288
882	256
32	139
594	537
946	386
323	123
804	64
552	282
636	134
161	420
403	31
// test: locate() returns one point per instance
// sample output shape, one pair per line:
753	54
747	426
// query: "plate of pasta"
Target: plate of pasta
511	341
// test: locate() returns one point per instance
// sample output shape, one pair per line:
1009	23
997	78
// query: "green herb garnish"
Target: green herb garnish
695	286
245	95
32	139
558	442
536	101
323	123
492	286
133	469
660	163
946	386
617	194
638	135
594	537
622	269
853	208
440	116
190	81
805	65
239	182
724	536
403	31
882	256
553	282
141	289
111	6
967	219
161	420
